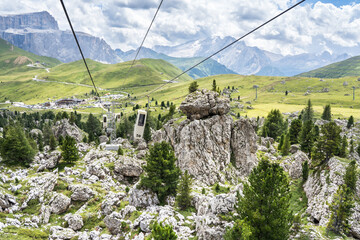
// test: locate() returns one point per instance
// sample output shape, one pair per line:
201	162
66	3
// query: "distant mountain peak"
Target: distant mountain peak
35	20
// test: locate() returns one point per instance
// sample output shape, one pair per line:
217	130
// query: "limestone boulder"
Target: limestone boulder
293	164
60	233
59	203
204	103
64	128
75	221
81	192
113	223
127	167
142	197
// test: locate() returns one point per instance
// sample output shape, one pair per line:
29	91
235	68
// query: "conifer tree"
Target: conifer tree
285	149
350	122
47	132
61	140
120	151
193	86
351	146
93	125
162	174
308	113
214	87
184	189
294	131
306	137
147	132
40	143
326	115
265	203
15	148
275	124
52	144
305	171
328	144
350	177
160	232
281	142
69	153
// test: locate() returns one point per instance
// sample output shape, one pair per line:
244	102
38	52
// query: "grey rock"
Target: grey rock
49	160
111	201
34	131
243	145
64	128
75	221
127	167
113	222
213	205
142	197
293	164
103	139
204	103
59	203
81	192
59	233
294	148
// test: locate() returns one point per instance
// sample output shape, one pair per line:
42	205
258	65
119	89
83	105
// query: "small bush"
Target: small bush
160	232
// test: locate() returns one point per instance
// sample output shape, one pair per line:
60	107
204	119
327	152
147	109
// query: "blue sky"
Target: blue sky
314	26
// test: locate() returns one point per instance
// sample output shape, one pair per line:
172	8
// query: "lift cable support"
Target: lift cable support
222	49
77	42
142	43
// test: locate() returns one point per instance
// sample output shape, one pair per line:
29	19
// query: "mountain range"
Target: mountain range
39	33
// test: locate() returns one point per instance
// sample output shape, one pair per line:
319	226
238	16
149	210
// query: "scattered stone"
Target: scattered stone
81	192
59	203
75	221
59	233
142	197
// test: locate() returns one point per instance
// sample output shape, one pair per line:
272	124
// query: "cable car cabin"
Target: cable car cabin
140	124
104	121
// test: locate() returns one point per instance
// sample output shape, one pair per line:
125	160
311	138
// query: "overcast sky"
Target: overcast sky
314	26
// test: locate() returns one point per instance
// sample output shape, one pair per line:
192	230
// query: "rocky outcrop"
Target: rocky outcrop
142	197
243	146
127	168
113	222
48	160
213	205
111	201
64	128
293	164
59	233
59	203
75	221
38	20
81	192
204	103
7	202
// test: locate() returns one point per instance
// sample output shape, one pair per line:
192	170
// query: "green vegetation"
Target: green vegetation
294	131
15	149
326	115
265	206
69	153
275	124
183	198
160	231
162	174
193	86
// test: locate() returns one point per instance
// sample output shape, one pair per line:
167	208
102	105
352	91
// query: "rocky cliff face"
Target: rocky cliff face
39	20
203	146
39	33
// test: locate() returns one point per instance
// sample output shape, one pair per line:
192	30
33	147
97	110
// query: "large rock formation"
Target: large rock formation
204	103
39	33
203	146
64	128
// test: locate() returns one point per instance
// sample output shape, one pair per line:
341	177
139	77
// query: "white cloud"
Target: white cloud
123	23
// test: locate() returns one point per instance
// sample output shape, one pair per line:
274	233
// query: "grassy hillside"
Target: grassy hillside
349	67
13	59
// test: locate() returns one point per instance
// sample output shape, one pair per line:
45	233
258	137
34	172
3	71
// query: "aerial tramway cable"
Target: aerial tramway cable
222	49
77	42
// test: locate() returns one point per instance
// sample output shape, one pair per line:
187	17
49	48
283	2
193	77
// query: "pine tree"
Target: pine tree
350	122
160	232
344	145
305	171
275	124
162	175
294	131
15	148
193	86
326	115
214	87
72	118
281	142
285	149
69	153
351	146
120	151
308	113
239	231
350	177
52	144
47	132
184	189
147	133
40	143
306	137
265	203
264	132
93	125
61	140
328	144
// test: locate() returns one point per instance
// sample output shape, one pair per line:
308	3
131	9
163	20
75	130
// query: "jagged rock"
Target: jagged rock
124	142
36	132
320	189
59	233
293	164
126	212
210	228
59	203
103	139
95	155
49	160
204	103
83	147
81	192
45	213
13	222
243	145
111	200
40	185
6	200
219	204
142	197
75	221
97	169
321	122
141	154
201	146
294	148
64	128
113	222
141	145
127	167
